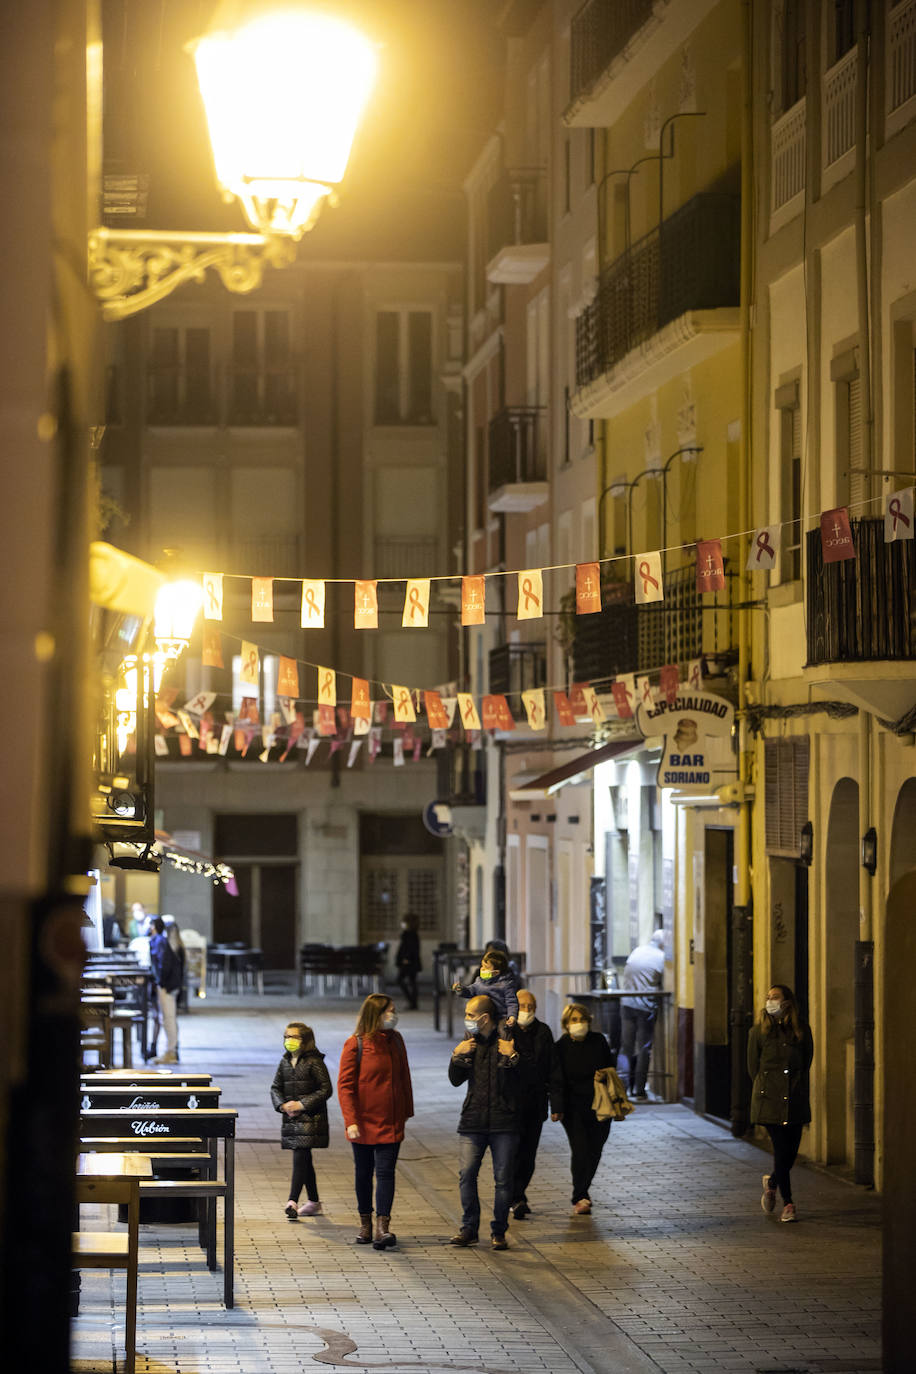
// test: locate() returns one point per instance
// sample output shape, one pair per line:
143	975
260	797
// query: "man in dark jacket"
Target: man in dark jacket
489	1118
534	1043
166	965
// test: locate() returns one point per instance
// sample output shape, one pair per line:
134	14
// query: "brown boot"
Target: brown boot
365	1229
384	1238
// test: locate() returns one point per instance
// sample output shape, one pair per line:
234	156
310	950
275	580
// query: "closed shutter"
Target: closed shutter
785	794
854	442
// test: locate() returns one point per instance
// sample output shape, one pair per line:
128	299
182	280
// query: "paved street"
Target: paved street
677	1268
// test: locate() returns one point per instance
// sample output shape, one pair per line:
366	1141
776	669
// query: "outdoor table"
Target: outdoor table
123	977
134	1078
231	957
125	1097
113	1178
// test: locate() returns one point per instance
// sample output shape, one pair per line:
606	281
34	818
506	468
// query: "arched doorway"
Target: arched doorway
841	933
903	833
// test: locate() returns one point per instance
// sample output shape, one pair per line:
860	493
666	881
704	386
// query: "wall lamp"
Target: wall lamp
283	93
806	843
870	851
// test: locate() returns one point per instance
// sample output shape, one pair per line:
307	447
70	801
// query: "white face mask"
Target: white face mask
525	1018
389	1020
471	1028
578	1029
774	1006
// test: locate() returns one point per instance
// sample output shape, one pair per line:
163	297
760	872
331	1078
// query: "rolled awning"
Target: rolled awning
541	787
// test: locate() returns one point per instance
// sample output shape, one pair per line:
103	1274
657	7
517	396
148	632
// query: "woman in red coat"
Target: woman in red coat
376	1098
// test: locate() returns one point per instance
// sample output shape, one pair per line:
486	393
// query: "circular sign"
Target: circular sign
437	817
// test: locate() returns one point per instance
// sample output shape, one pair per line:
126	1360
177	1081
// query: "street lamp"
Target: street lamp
177	607
283	94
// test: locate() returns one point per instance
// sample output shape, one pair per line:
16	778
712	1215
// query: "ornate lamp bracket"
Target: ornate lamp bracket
130	270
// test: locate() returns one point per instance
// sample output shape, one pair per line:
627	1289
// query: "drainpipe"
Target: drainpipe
741	992
864	994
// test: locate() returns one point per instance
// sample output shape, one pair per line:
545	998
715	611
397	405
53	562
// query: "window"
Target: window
850	461
403	367
794	60
480	478
790	466
589	158
263	377
841	16
785	794
179	377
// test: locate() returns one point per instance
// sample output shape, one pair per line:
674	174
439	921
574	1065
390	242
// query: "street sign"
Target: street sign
437	817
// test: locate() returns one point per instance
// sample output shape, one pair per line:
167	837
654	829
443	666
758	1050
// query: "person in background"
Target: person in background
643	973
300	1090
140	921
534	1043
495	981
111	931
173	935
407	959
166	966
779	1054
376	1099
578	1053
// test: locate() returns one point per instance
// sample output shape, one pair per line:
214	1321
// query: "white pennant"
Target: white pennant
898	515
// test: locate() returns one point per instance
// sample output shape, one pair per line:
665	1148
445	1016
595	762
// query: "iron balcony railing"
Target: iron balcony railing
600	32
517	210
861	608
626	638
690	263
517	668
461	775
517	448
276	555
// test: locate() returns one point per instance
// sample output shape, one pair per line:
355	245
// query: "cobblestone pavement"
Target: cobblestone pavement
676	1269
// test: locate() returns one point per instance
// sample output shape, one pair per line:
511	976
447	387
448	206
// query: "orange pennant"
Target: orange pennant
495	713
327	721
588	588
288	678
365	605
436	714
473	600
359	699
262	598
565	712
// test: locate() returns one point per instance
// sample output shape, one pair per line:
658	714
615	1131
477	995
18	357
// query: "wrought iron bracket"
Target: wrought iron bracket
131	269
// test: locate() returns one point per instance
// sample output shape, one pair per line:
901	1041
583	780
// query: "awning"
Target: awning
528	787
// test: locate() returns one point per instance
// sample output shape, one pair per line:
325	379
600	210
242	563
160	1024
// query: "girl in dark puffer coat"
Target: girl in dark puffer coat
300	1091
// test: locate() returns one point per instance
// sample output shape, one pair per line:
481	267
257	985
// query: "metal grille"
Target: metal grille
381	909
786	794
423	898
515	668
517	210
600	32
902	44
516	453
861	608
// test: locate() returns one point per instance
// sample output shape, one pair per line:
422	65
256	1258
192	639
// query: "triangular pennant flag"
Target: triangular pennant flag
533	702
375	742
669	682
287	709
288	678
624	690
437	740
468	711
249	670
327	721
185	745
475	739
403	704
710	565
201	703
225	735
530	595
161	746
344	723
473	600
355	747
262	598
296	729
397	749
213	596
327	687
359	699
564	710
381	712
495	713
764	548
211	647
416	604
365	605
648	584
451	706
588	588
417	750
206	730
335	745
836	535
695	675
213	743
361	724
436	714
312	604
898	515
310	749
190	728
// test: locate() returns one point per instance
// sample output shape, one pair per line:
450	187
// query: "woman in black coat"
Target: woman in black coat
577	1055
300	1091
779	1054
407	959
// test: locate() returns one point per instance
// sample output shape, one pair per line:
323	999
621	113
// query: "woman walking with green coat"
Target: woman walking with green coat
779	1053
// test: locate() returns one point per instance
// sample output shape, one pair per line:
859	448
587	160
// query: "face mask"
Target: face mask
471	1027
292	1045
486	974
578	1029
774	1007
389	1020
525	1018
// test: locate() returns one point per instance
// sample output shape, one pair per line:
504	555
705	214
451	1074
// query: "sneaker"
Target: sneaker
168	1058
291	1210
309	1209
464	1237
582	1207
789	1213
520	1210
768	1201
498	1242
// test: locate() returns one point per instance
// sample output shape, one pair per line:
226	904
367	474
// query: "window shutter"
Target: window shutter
785	794
854	443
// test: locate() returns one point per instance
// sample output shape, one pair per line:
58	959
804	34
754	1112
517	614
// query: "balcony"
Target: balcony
616	48
263	396
517	668
272	556
840	108
788	153
626	638
518	460
405	555
861	621
901	64
179	396
665	305
517	246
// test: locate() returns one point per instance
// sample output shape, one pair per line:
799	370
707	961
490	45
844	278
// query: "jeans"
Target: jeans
528	1140
168	1011
471	1151
380	1159
786	1140
637	1030
303	1176
587	1136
